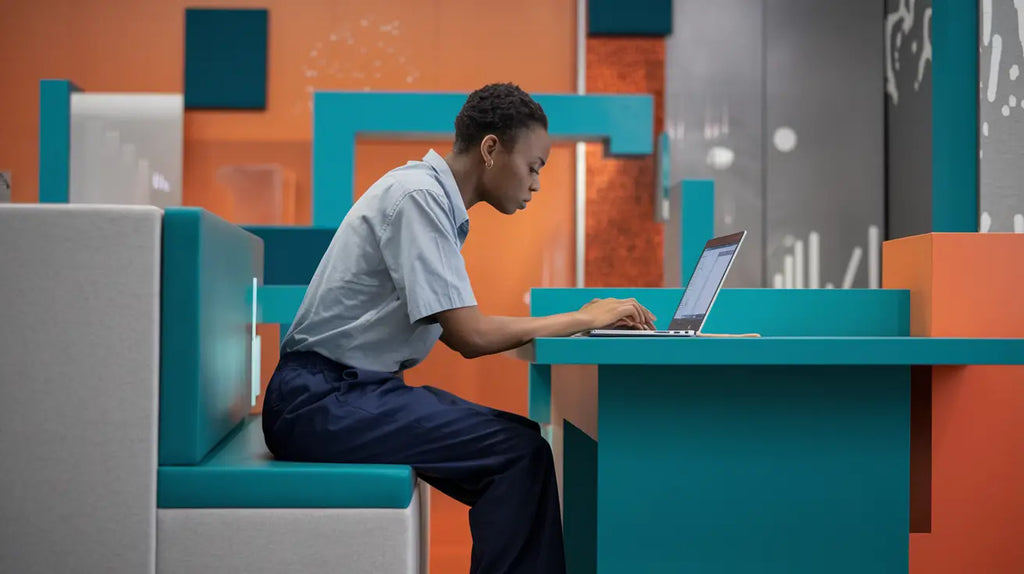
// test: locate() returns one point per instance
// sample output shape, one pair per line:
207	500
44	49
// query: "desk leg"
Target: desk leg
574	433
580	500
753	469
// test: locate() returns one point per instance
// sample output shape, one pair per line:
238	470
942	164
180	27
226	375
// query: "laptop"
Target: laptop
701	291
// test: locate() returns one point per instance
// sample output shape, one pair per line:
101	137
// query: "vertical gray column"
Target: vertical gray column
1001	116
714	98
824	142
908	100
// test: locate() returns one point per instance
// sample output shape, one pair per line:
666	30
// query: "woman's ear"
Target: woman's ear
488	146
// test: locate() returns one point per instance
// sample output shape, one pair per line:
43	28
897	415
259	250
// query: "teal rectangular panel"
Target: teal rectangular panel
769	312
539	399
55	140
698	222
954	40
624	121
280	303
629	18
225	58
663	171
291	254
771	470
206	331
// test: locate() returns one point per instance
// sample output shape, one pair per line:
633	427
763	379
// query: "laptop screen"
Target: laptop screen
706	280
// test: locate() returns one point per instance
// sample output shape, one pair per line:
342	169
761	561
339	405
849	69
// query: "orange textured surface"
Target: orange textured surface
624	244
965	285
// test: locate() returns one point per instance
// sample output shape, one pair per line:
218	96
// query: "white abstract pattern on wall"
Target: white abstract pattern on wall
339	60
796	261
1001	116
899	24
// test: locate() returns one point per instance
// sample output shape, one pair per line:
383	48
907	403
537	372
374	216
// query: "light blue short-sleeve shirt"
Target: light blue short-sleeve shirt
393	263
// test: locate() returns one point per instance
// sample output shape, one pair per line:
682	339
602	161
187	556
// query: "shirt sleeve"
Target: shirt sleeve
423	255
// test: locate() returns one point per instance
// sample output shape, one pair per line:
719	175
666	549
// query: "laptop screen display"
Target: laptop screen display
705	282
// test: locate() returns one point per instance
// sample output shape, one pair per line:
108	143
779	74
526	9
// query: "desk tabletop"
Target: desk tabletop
775	351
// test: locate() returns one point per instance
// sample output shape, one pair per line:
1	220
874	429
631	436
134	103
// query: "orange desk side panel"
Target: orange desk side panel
967	437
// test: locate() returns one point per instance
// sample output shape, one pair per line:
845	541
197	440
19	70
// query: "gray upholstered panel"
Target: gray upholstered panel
79	350
271	541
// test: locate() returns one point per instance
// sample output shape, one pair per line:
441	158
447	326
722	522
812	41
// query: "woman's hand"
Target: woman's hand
617	314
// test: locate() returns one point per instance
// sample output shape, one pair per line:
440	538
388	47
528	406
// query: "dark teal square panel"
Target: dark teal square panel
225	59
292	254
629	18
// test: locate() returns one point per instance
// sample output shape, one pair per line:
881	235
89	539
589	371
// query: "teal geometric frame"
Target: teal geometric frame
954	35
55	140
698	222
624	122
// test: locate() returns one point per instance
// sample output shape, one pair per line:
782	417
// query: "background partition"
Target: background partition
779	102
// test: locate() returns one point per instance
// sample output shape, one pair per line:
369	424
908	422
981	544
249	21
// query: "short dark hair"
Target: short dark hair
499	109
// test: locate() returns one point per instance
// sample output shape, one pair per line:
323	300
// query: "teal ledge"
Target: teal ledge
777	351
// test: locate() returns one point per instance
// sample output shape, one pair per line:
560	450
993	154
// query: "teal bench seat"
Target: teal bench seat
223	503
241	473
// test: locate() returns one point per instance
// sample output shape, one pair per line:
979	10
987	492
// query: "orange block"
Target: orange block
967	476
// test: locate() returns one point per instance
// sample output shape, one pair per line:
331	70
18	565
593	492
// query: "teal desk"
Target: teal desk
779	454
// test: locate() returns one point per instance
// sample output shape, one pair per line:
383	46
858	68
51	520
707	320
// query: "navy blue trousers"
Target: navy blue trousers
496	462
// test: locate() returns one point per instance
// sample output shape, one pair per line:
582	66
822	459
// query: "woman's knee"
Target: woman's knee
534	448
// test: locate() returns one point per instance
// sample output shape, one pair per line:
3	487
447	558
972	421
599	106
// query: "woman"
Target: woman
391	284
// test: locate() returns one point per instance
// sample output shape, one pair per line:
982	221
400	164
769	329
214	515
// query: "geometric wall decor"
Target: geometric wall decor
932	96
54	139
291	253
954	41
225	59
624	122
1001	114
789	166
692	223
633	18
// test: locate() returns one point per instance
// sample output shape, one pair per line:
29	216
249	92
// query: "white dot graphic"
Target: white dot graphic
1013	101
1006	110
1014	71
785	139
984	128
720	158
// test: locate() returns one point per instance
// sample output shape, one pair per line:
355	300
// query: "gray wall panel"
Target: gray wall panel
823	62
908	100
713	109
737	72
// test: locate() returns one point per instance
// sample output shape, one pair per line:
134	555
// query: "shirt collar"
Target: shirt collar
450	187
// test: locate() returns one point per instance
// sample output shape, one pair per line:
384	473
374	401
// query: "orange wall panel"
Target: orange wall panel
907	264
965	285
624	244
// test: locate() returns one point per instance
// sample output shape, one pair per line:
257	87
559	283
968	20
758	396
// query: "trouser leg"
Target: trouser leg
496	462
